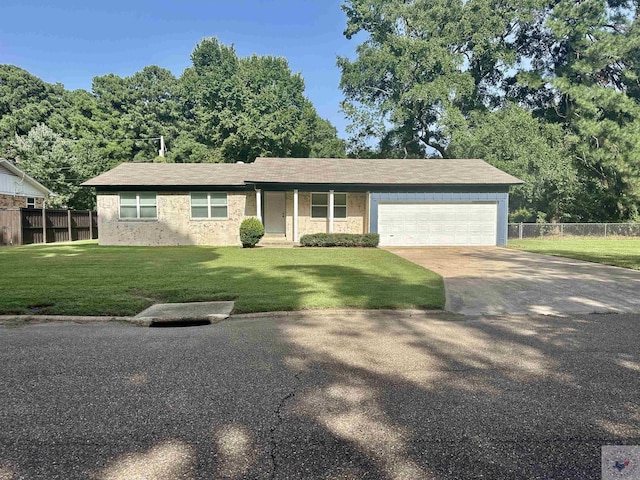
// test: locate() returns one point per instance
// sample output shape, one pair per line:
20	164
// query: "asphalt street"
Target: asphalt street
363	395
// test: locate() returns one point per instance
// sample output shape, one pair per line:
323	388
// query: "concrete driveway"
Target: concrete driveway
354	395
490	280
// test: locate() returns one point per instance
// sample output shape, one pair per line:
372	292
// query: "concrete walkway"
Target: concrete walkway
490	280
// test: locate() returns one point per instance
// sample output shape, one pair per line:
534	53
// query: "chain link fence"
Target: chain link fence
562	230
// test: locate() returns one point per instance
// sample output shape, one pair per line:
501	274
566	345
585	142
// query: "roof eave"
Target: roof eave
380	184
11	167
173	187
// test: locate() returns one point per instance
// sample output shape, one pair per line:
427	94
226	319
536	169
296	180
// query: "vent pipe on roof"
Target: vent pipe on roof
163	148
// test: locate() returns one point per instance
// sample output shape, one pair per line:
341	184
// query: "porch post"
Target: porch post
295	216
330	211
259	204
367	213
69	225
44	222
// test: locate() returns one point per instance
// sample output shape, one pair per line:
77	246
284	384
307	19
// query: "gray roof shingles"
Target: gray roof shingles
379	171
169	174
308	171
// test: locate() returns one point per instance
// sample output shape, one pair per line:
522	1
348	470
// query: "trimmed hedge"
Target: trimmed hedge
340	240
251	231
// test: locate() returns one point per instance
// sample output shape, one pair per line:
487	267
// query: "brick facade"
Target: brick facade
356	221
17	201
174	225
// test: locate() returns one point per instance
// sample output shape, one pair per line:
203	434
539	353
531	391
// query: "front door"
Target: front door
274	212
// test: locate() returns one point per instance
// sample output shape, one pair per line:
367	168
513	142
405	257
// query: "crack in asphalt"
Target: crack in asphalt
278	423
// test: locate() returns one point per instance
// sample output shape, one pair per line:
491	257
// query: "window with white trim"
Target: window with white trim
340	205
320	205
31	202
138	205
209	205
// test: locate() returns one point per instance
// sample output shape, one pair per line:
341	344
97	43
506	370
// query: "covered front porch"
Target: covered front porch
290	214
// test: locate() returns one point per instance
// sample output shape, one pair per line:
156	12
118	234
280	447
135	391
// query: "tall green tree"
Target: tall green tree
427	70
242	108
223	108
596	49
532	150
25	101
134	109
324	140
59	164
424	65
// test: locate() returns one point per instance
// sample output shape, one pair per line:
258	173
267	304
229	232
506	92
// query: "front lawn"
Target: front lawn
83	278
610	251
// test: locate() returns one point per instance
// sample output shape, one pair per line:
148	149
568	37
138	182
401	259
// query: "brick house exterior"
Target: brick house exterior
408	202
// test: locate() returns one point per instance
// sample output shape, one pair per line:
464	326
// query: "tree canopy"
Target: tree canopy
223	108
434	78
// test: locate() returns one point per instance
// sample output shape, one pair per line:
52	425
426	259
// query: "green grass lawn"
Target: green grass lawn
610	251
85	279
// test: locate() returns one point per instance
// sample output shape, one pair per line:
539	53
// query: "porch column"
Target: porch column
295	216
367	214
259	204
330	211
44	222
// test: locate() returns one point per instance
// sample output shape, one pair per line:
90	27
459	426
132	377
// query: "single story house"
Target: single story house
17	189
408	202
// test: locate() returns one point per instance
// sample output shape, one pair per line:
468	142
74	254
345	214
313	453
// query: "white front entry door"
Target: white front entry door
274	212
431	224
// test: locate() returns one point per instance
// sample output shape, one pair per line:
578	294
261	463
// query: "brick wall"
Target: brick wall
356	221
174	225
9	201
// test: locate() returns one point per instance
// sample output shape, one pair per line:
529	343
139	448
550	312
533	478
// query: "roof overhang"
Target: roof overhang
173	188
19	173
308	174
379	187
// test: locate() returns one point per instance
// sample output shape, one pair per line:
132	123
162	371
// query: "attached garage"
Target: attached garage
437	224
475	215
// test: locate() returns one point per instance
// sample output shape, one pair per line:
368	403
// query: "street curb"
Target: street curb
291	313
86	319
211	318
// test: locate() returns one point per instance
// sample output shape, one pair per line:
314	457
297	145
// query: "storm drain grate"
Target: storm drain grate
180	323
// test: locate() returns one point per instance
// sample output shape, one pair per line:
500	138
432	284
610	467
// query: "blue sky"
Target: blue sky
71	41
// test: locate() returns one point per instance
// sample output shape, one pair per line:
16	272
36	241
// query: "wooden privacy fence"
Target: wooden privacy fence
24	226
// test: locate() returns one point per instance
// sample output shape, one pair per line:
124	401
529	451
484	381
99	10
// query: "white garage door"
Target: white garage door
418	224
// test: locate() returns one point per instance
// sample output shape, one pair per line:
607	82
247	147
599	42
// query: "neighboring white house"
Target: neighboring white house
17	189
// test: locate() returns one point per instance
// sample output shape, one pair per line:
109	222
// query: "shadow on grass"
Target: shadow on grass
93	280
296	287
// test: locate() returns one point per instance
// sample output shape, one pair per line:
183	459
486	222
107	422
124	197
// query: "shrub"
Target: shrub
251	231
340	240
